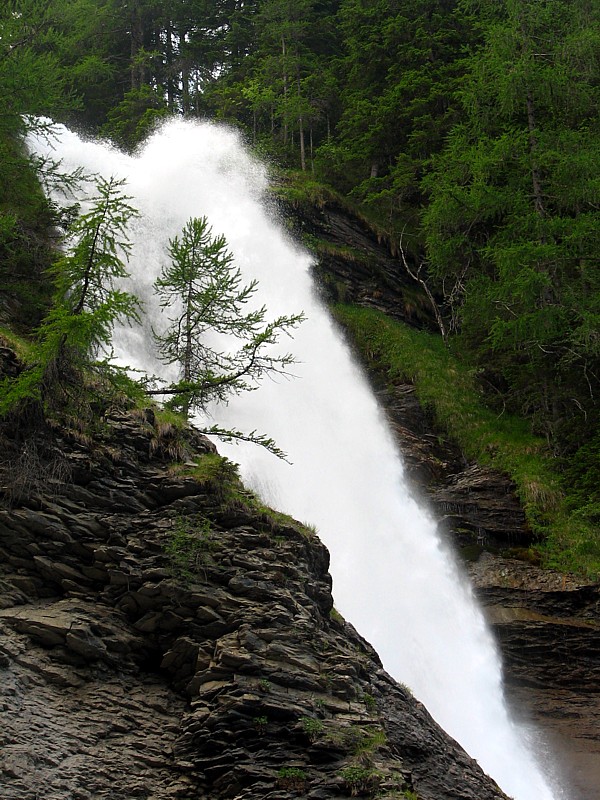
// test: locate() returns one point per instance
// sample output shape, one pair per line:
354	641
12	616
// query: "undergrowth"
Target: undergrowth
447	388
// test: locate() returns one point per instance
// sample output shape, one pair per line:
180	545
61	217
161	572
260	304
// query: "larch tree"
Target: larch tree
203	292
512	225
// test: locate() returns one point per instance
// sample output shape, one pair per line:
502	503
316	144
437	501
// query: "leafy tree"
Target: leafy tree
135	117
400	66
203	289
85	277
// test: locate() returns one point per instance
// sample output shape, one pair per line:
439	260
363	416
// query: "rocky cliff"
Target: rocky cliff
164	636
547	624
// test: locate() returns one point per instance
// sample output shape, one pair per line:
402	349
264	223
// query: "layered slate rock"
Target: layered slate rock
161	637
356	263
548	627
477	505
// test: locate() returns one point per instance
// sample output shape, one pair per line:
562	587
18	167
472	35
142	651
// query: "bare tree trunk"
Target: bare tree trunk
285	89
185	74
301	125
169	65
137	43
538	198
417	277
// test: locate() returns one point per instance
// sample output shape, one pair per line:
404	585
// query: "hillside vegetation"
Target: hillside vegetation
466	131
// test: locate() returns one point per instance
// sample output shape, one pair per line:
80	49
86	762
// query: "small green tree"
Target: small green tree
86	303
204	290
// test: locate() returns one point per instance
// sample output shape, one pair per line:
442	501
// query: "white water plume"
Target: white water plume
393	578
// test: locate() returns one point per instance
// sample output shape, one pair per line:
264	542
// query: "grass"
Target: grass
448	389
188	545
19	344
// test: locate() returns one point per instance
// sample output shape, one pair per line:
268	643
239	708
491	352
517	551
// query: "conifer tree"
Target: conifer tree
202	290
512	226
86	305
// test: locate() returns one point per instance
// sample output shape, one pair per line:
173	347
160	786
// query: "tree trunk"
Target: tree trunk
538	198
169	66
301	125
285	88
137	43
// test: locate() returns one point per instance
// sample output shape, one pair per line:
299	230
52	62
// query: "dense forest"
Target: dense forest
467	130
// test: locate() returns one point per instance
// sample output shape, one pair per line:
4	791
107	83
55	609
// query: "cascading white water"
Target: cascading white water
393	577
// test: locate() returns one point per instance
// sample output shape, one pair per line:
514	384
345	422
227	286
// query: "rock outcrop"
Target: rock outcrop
163	636
548	628
546	624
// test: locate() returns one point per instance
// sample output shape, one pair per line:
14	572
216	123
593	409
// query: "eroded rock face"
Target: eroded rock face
548	628
160	640
356	264
546	623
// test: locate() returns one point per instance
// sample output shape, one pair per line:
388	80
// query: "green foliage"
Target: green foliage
449	389
512	224
312	727
260	723
204	290
399	68
189	545
211	468
292	778
85	307
369	702
359	779
32	80
135	117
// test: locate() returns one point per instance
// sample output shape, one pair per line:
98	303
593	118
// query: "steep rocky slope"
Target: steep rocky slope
163	636
547	624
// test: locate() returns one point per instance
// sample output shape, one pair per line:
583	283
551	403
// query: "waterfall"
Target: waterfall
394	579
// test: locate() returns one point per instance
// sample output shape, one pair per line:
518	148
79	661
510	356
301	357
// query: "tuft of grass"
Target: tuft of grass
216	470
21	346
292	779
301	189
448	389
360	780
188	546
312	727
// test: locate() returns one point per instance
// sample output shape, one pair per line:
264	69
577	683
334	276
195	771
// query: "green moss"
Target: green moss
21	346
